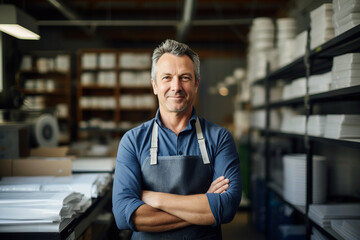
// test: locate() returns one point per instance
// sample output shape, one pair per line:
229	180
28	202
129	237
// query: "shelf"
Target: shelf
320	60
347	42
341	93
43	92
352	143
35	72
285	134
279	191
49	83
330	233
99	109
96	87
94	129
136	88
342	44
336	93
282	103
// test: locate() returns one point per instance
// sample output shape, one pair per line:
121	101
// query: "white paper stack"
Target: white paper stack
293	124
300	45
257	95
292	231
342	126
286	33
94	164
322	28
257	119
261	48
323	214
316	125
346	15
106	78
317	235
320	83
297	88
62	63
135	60
295	178
348	229
107	60
39	211
89	61
346	70
91	185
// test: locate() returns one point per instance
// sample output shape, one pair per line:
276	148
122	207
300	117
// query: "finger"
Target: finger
221	183
222	188
219	179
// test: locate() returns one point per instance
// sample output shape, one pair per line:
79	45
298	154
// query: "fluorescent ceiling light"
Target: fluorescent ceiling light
17	23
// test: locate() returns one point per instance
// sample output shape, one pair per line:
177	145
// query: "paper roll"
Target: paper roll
45	131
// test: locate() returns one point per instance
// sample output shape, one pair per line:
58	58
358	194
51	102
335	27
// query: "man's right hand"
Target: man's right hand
219	185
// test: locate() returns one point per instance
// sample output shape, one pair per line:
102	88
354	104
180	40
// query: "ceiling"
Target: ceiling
211	25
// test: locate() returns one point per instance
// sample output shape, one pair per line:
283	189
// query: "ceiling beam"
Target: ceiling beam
184	26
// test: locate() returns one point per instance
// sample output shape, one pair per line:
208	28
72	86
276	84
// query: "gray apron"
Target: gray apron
178	175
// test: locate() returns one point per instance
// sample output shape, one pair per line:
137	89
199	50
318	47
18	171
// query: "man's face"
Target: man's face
175	85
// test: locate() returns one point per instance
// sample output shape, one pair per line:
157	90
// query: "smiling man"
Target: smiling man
177	176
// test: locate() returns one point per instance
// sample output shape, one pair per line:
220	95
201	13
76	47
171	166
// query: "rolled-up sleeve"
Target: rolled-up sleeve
127	184
226	163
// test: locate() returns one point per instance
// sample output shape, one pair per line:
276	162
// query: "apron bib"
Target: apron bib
183	175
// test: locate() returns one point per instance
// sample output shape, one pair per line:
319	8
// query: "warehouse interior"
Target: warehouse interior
282	76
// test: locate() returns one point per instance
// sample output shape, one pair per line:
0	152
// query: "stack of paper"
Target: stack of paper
323	214
91	185
342	126
258	119
346	70
261	39
316	125
293	124
297	88
39	211
295	178
300	45
93	164
317	235
257	95
286	32
348	229
322	28
346	15
292	232
320	83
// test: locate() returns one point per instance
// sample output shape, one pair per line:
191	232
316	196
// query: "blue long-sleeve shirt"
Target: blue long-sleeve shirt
134	148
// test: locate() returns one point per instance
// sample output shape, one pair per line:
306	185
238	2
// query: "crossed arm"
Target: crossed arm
164	211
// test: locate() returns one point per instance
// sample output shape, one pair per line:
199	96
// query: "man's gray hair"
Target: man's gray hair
177	49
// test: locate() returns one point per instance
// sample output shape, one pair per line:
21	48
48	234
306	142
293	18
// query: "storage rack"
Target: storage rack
119	113
59	93
315	61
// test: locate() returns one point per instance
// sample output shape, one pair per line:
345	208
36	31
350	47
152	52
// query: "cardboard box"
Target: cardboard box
42	166
49	151
42	162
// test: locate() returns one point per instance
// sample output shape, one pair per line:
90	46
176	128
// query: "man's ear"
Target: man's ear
153	83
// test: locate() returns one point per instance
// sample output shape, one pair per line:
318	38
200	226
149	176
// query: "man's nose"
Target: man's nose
176	84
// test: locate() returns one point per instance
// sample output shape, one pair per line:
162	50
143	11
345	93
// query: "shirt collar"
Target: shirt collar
190	124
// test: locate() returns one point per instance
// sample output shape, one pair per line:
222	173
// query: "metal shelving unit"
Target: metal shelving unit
315	61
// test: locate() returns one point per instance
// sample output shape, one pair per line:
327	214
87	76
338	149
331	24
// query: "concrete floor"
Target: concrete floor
240	228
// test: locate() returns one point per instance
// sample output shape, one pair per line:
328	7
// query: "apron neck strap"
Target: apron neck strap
200	138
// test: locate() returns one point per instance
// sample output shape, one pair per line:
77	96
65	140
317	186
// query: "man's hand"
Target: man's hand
219	185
